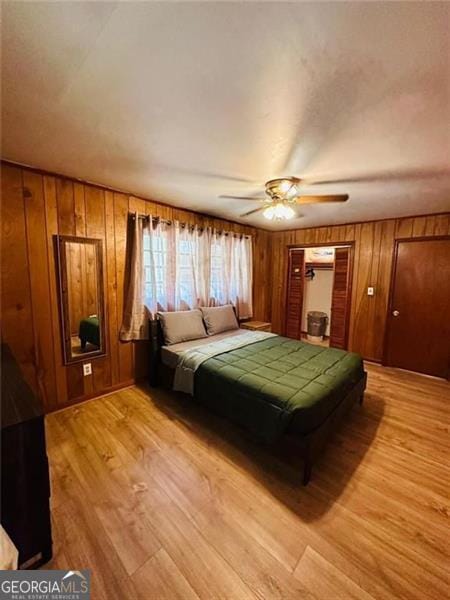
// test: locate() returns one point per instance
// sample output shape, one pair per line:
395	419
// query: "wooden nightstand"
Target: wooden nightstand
257	325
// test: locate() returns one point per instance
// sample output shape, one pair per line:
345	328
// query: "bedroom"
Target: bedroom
169	190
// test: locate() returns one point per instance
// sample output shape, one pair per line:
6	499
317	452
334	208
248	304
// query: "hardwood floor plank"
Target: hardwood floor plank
131	491
322	578
189	478
86	546
160	579
202	566
132	540
263	574
188	507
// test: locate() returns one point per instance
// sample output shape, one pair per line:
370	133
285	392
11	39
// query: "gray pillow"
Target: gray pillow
182	326
219	318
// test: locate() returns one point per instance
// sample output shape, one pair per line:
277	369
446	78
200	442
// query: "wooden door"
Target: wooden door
341	298
294	303
418	325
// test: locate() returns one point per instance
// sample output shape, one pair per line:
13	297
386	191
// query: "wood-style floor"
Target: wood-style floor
161	500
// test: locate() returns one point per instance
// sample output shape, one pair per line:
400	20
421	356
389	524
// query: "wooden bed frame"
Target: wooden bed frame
309	446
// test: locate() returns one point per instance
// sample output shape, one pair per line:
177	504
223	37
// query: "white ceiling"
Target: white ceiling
181	102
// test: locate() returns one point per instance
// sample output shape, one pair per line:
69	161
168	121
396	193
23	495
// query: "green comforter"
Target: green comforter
277	385
89	331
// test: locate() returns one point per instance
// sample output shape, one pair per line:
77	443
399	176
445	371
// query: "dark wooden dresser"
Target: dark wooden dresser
25	485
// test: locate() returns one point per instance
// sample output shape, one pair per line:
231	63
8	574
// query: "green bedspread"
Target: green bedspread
277	385
89	331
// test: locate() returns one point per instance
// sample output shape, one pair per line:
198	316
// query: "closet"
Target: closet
300	268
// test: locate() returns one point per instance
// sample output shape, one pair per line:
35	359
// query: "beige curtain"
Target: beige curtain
192	266
136	315
232	272
175	267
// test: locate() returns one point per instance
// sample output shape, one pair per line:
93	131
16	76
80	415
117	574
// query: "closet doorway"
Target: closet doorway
319	279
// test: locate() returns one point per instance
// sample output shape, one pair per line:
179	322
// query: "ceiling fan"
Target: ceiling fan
281	195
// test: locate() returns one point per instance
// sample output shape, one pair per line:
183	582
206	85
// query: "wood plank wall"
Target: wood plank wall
35	207
374	243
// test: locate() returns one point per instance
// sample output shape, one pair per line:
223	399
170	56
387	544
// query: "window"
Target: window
185	268
155	269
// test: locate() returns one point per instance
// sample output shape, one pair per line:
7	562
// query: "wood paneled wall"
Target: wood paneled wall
35	207
374	243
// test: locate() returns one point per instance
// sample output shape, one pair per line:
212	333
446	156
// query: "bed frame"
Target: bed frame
309	446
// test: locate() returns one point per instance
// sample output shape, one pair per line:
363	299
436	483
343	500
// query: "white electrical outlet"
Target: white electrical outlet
87	369
370	291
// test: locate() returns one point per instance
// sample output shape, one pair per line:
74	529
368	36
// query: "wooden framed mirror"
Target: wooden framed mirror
80	264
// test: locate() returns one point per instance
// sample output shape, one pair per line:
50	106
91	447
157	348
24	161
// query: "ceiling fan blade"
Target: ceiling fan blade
251	212
321	199
242	197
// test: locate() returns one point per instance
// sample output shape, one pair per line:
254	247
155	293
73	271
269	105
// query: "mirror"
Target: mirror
82	297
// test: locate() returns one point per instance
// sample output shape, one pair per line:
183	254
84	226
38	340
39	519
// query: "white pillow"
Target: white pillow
219	318
182	326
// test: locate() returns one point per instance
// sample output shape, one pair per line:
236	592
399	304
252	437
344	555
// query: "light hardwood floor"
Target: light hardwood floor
161	500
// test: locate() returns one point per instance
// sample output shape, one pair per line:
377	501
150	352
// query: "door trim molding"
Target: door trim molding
323	245
423	238
339	244
348	306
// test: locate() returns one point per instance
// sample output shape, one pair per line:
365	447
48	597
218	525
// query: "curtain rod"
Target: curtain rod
188	225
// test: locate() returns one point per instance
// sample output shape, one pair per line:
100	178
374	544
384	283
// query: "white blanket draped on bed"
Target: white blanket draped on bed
191	359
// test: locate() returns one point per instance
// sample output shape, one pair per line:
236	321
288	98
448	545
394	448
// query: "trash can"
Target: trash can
317	325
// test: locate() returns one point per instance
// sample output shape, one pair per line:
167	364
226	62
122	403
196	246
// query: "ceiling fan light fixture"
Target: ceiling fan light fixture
281	194
278	212
283	188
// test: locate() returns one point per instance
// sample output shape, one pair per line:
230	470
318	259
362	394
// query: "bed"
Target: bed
89	331
268	384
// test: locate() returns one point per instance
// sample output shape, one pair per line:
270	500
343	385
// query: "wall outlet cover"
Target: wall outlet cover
87	369
370	291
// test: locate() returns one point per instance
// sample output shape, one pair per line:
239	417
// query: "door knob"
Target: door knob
395	313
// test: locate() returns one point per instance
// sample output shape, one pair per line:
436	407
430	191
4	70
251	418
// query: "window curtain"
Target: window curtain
232	272
136	314
176	267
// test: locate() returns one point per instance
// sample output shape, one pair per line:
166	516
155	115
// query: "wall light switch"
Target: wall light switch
87	369
370	291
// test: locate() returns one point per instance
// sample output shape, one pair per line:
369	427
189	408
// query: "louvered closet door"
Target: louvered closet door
294	302
340	302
